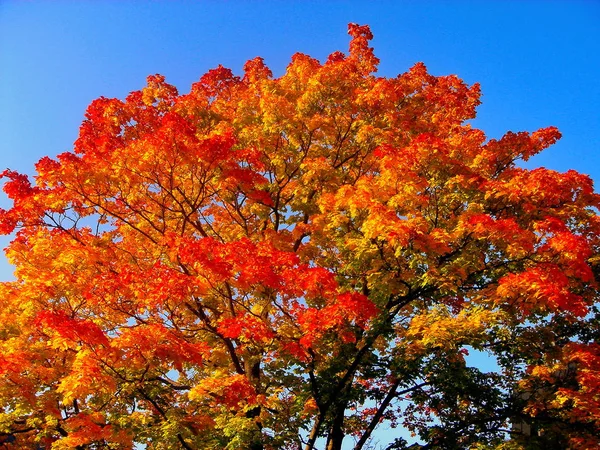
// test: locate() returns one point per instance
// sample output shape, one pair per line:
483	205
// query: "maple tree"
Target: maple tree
290	262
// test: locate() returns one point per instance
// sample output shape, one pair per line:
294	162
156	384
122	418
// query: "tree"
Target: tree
284	262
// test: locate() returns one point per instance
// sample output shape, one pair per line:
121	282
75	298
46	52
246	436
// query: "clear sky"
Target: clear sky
538	62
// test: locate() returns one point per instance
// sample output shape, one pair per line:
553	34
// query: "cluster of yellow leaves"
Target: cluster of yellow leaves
441	330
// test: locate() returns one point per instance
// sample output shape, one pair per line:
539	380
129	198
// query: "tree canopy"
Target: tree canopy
290	262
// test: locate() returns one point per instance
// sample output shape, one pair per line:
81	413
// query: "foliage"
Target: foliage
284	262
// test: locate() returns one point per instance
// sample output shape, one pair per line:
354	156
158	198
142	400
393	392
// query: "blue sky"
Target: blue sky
538	62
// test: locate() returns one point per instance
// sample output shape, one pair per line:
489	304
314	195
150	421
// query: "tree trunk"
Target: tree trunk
336	432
